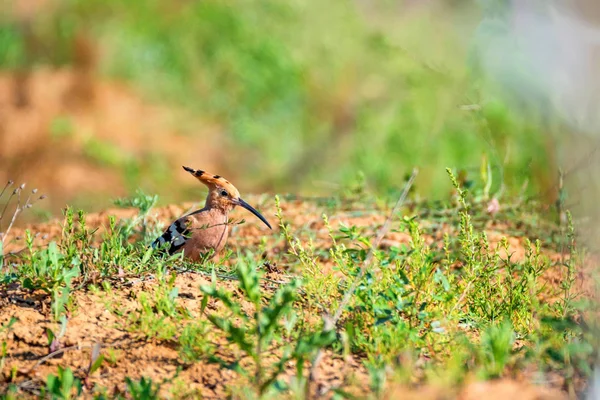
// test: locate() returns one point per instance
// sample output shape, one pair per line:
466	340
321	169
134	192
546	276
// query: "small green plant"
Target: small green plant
96	360
493	286
399	305
496	349
4	330
158	314
256	334
566	305
139	225
496	288
144	389
64	385
123	245
320	288
76	236
194	343
51	271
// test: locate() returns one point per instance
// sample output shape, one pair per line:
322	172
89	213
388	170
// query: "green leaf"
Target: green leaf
310	343
278	305
94	367
204	303
235	334
28	284
225	297
208	289
147	255
71	273
96	359
234	366
50	335
143	389
249	283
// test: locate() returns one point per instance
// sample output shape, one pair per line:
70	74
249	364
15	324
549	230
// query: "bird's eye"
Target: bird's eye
224	193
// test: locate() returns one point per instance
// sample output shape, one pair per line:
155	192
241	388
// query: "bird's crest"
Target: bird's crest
213	181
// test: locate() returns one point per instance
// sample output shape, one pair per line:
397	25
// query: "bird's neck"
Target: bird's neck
217	207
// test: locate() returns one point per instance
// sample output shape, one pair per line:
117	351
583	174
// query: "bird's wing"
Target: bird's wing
176	235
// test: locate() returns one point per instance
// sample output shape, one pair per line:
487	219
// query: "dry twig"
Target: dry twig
19	208
76	347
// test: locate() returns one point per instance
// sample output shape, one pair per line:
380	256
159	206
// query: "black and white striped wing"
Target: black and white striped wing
176	235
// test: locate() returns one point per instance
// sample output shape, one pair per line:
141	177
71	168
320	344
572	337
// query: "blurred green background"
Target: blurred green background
278	96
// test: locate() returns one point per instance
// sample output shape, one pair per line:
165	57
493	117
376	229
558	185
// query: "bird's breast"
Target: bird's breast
208	232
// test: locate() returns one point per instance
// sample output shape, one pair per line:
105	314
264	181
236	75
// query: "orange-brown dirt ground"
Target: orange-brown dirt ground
91	322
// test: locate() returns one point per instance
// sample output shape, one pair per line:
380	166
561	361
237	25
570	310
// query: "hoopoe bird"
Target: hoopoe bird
202	234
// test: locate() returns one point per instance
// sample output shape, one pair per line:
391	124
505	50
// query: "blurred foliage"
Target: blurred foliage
304	93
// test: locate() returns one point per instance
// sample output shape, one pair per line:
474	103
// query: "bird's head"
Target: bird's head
222	194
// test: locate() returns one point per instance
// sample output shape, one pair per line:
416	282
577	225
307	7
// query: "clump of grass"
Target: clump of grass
158	314
496	349
194	342
141	224
51	271
303	255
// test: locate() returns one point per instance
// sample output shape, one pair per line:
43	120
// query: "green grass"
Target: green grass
304	94
462	307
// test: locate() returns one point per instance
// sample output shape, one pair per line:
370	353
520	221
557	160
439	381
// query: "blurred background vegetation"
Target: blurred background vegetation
100	97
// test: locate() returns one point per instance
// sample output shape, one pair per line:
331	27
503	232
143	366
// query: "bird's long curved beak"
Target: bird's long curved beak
248	207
